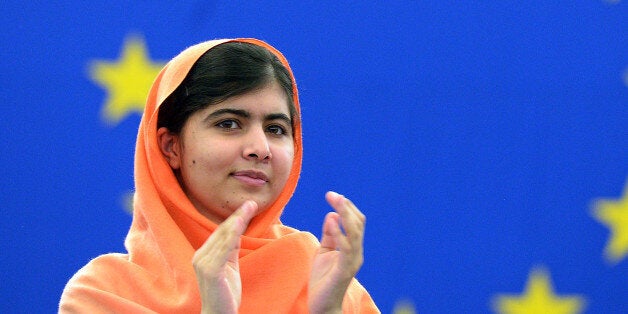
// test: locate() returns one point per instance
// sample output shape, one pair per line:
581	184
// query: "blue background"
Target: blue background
475	135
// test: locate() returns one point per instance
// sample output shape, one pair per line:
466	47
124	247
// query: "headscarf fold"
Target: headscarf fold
157	274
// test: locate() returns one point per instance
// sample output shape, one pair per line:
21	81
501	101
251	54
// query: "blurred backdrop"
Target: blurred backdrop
486	141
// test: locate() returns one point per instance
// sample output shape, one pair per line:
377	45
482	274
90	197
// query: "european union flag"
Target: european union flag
486	142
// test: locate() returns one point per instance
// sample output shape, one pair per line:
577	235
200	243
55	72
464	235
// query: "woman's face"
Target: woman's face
237	150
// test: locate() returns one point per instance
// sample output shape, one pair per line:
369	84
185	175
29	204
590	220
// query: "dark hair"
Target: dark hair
227	70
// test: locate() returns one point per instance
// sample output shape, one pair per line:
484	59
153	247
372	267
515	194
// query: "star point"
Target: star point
538	297
614	214
126	80
127	200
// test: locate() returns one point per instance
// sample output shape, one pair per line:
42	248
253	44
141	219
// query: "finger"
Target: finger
334	199
333	238
352	219
243	215
354	209
359	223
226	236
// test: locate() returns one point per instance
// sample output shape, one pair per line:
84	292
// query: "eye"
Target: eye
228	124
276	129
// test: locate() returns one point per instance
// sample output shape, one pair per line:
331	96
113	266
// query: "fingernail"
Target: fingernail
249	205
335	196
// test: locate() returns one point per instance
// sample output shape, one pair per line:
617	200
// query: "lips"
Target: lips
251	177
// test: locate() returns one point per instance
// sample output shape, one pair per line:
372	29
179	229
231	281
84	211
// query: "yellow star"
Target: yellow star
538	298
404	307
127	81
614	214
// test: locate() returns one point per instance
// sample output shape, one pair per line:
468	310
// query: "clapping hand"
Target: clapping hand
216	263
339	257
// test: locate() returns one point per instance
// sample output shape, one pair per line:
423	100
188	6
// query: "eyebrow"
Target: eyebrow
220	112
279	116
246	114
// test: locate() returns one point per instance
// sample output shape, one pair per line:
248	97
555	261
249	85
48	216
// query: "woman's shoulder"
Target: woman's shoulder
98	272
93	282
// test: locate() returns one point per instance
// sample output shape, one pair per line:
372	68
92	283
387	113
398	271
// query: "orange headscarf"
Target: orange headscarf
157	274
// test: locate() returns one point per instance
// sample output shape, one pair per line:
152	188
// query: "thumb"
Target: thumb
243	215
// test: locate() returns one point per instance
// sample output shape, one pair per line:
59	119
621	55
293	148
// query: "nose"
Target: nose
256	145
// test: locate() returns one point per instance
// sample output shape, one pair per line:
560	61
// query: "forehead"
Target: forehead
267	99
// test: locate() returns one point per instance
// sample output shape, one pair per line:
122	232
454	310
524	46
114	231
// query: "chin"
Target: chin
263	200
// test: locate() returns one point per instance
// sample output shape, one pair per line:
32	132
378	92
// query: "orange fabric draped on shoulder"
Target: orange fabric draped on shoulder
156	275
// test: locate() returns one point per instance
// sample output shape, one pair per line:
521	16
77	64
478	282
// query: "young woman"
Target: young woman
218	157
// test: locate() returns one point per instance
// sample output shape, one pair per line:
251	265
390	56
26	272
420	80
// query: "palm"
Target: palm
220	285
229	288
325	275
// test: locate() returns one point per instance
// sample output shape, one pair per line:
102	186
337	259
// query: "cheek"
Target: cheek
283	158
203	160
